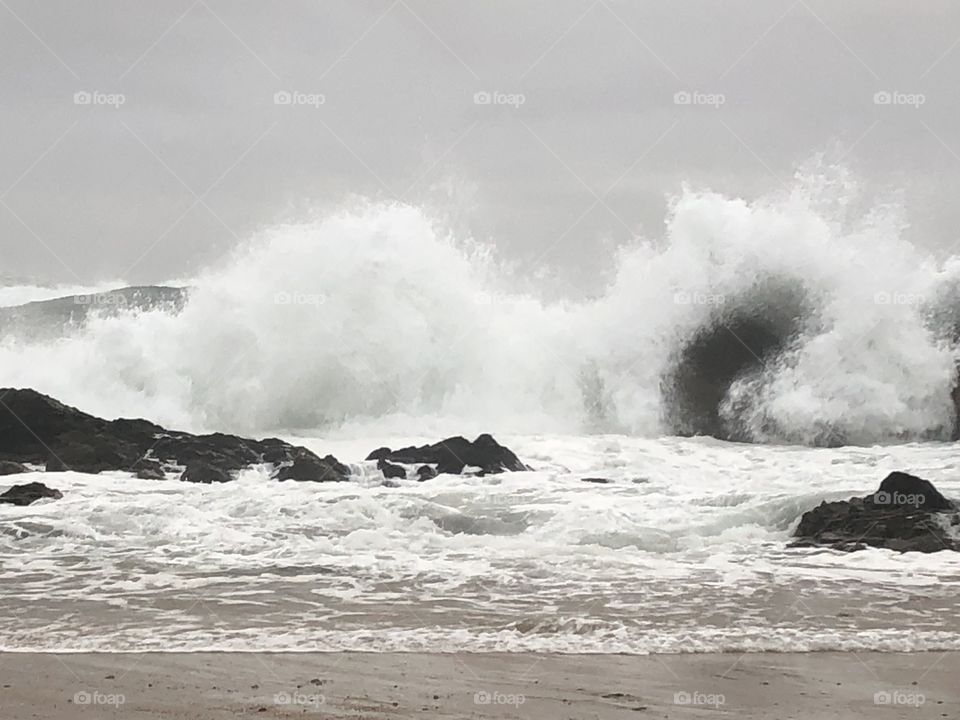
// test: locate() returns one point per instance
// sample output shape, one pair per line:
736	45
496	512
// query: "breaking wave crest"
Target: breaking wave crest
784	319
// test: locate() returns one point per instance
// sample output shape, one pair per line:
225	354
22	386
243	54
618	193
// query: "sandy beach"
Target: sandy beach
398	685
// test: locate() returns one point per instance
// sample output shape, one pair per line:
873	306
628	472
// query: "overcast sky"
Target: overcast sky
384	102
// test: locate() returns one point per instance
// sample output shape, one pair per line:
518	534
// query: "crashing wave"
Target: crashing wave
784	319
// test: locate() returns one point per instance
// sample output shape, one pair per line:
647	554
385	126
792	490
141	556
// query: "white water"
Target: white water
374	317
684	551
373	322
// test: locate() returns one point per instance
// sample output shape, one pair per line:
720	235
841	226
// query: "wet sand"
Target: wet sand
491	685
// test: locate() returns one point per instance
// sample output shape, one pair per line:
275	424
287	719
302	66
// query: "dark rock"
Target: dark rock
36	428
899	488
905	514
202	472
425	472
307	467
226	451
12	468
55	464
955	397
29	493
379	454
80	454
598	481
455	453
390	470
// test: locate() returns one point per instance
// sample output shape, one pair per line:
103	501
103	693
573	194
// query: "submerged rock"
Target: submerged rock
454	454
29	493
906	514
35	428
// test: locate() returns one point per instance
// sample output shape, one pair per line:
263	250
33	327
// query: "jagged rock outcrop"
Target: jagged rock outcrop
307	467
906	514
35	428
454	454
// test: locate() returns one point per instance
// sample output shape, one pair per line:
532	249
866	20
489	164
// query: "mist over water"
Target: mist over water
377	319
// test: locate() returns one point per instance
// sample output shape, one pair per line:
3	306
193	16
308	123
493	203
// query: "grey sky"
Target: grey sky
101	192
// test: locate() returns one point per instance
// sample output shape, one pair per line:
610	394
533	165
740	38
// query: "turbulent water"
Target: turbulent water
789	321
684	551
375	317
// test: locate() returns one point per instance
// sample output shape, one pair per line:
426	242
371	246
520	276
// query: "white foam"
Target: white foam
692	557
376	321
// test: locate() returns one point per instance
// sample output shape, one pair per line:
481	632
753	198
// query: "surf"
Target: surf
789	318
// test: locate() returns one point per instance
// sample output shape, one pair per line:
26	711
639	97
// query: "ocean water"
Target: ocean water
683	551
374	326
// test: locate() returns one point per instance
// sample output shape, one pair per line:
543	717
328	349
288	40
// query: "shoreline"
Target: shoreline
214	685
